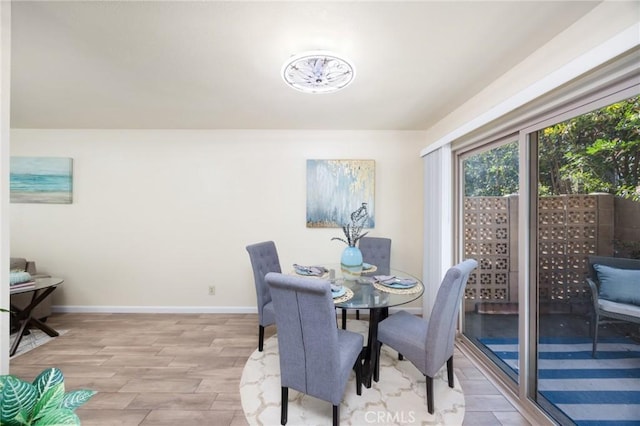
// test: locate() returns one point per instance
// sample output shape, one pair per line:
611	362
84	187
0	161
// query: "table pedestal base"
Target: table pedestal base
25	319
370	363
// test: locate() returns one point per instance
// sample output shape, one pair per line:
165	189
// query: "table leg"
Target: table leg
25	318
16	343
371	353
44	327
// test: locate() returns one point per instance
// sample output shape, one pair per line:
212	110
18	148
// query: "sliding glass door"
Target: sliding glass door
535	249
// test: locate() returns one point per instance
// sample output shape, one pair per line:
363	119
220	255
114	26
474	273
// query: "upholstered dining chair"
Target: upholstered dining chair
428	344
264	259
316	357
375	251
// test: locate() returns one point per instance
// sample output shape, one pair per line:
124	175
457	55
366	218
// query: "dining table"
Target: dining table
373	290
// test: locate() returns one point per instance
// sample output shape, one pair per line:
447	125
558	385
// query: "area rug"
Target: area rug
591	391
399	398
31	341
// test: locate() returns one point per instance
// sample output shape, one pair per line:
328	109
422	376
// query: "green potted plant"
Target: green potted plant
41	403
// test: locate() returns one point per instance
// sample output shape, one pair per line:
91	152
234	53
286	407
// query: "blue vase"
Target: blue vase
351	262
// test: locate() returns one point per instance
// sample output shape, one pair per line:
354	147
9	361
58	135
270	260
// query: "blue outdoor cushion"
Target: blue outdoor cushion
619	285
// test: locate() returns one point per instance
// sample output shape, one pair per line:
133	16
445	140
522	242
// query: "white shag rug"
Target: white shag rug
399	398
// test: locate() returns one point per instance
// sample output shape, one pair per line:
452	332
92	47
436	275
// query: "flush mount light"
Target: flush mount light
318	72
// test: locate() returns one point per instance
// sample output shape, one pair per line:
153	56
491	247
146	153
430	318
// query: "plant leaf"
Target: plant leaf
339	239
49	401
76	398
48	379
58	417
17	399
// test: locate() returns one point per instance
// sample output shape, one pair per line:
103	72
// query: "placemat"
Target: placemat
415	289
348	294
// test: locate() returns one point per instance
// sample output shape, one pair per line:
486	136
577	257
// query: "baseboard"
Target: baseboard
179	309
155	309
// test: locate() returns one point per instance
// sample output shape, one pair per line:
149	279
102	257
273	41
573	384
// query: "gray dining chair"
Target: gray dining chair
264	259
316	357
375	251
428	344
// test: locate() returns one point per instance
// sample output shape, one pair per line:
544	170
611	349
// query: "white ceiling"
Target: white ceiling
216	65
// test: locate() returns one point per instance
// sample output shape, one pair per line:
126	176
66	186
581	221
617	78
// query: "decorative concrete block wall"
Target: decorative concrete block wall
626	227
488	239
570	228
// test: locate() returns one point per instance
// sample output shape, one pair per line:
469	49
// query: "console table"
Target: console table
41	290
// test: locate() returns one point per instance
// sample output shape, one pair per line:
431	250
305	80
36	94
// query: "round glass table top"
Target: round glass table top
369	292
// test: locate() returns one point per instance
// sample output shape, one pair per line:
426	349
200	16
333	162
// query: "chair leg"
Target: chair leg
344	319
260	338
450	371
358	368
284	405
595	335
429	394
336	415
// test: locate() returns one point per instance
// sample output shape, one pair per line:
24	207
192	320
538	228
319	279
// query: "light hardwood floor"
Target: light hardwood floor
172	369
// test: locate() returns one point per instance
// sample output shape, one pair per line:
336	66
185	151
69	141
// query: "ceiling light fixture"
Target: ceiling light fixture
318	72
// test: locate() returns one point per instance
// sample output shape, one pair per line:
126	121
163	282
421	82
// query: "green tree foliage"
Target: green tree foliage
594	152
493	172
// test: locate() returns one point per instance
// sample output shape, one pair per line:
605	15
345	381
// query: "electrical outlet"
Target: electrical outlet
212	290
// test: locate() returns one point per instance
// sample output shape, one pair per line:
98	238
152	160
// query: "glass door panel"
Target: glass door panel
490	232
588	204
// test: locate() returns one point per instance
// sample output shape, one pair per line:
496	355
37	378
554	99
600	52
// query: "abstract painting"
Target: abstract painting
335	188
46	180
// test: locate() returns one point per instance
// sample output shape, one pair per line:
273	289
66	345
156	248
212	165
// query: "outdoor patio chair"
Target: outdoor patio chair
617	297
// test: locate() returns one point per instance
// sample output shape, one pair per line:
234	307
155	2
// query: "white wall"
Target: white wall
160	215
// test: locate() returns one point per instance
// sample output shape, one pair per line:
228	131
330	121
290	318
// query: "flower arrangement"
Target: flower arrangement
353	230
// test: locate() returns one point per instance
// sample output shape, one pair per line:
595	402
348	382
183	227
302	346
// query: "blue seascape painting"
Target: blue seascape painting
41	180
335	188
